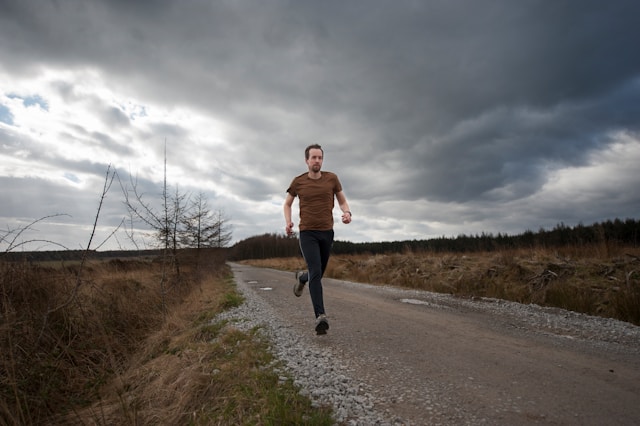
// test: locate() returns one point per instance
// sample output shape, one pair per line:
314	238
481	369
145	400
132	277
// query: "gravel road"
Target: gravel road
405	357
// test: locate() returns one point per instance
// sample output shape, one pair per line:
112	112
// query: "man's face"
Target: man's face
315	160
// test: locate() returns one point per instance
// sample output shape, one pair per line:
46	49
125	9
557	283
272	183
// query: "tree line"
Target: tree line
625	232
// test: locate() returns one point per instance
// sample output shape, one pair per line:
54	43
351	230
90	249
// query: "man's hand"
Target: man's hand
289	228
346	217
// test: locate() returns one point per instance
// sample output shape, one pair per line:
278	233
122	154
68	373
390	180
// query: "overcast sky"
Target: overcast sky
440	117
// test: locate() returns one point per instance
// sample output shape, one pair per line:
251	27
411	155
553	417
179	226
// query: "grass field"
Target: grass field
131	341
125	342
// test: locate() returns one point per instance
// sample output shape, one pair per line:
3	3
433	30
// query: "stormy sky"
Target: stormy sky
441	118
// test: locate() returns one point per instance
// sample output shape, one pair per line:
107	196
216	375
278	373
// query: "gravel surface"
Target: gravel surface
316	371
326	376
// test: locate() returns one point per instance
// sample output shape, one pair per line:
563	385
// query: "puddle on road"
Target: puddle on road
260	288
415	302
419	302
424	303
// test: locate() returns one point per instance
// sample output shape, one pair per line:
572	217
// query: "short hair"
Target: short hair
310	147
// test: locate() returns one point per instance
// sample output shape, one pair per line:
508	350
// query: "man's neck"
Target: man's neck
314	175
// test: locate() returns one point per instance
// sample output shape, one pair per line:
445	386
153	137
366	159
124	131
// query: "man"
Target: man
315	190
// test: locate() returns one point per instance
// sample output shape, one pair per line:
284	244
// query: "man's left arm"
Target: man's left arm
344	206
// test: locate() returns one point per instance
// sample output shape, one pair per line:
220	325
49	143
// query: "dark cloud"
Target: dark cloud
460	106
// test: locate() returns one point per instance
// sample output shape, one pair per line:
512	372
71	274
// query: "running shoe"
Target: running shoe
322	324
299	285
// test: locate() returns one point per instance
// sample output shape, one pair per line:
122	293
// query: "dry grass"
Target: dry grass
598	280
115	356
194	371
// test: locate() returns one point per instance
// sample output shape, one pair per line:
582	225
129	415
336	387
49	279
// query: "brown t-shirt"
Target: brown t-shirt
316	200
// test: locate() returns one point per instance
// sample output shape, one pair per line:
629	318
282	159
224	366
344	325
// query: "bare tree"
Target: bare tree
195	222
177	210
165	222
204	227
222	233
177	222
108	181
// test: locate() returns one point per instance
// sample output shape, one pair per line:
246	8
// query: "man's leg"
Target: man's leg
326	242
310	246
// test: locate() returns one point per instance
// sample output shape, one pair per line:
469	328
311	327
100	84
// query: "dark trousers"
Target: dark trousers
315	247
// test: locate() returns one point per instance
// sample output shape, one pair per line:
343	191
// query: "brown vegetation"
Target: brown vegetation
595	279
109	345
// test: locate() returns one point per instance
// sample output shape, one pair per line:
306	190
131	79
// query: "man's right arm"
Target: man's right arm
288	202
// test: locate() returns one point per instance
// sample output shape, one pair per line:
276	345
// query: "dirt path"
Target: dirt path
438	360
